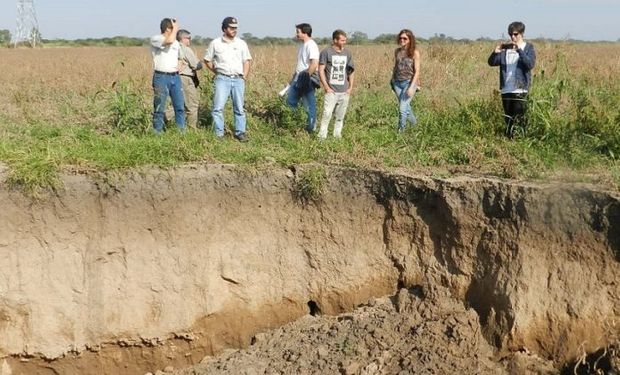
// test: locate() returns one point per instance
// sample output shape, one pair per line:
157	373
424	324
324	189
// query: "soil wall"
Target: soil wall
122	275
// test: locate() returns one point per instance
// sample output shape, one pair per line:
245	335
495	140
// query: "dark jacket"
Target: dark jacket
304	83
525	64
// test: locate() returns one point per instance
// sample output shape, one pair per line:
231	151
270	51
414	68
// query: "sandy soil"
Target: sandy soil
157	269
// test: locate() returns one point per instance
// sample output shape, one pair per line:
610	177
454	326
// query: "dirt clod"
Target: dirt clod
374	339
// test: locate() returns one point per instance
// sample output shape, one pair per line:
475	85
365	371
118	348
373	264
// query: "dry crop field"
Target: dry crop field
52	85
573	125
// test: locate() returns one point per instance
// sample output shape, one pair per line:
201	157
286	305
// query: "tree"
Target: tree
249	38
5	37
358	37
385	39
198	40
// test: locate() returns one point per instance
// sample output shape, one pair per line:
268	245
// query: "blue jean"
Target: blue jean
165	85
309	102
224	87
405	112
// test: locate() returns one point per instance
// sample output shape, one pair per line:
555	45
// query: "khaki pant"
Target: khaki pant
339	102
191	99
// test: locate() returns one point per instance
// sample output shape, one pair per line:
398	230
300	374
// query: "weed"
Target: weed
33	174
346	347
310	184
275	112
128	112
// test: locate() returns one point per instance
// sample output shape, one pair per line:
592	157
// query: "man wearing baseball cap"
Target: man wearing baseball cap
229	58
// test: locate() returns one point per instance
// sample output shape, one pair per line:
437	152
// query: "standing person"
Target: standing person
515	59
165	50
190	64
302	87
229	58
336	70
405	76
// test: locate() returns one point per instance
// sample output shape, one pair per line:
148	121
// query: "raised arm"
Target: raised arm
172	36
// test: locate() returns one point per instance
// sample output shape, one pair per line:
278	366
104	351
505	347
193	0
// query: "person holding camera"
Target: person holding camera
165	50
515	59
405	76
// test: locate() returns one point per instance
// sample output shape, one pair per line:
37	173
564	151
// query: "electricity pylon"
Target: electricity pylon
27	24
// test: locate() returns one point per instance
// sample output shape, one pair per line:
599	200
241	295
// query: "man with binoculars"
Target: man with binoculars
165	50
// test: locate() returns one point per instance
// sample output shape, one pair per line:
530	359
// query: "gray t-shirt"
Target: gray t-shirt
338	66
404	68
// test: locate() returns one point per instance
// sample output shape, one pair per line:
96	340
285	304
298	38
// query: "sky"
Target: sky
558	19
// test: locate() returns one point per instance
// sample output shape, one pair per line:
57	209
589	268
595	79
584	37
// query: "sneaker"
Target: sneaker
241	137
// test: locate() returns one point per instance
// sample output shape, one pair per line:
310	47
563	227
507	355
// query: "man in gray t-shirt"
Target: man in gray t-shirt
336	71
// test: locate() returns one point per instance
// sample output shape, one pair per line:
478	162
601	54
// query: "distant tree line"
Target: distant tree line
5	37
355	38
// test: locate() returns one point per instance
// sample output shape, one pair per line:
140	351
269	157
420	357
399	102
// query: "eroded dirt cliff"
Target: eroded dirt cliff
162	268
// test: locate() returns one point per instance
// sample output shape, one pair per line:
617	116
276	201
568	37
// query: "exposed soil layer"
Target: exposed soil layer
161	268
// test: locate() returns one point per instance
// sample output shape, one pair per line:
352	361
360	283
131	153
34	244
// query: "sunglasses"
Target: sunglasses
403	38
514	34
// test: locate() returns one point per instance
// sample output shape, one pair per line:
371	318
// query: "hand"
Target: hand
329	90
498	48
410	90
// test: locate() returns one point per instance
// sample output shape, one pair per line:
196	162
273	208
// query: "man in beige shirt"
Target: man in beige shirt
188	67
229	58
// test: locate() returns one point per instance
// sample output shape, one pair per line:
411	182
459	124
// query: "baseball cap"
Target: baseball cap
230	22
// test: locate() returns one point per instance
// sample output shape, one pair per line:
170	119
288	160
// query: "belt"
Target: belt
166	73
231	75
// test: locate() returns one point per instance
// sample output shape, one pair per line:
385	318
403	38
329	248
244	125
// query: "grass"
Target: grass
310	184
98	117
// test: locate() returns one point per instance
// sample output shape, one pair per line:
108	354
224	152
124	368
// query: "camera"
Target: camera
507	46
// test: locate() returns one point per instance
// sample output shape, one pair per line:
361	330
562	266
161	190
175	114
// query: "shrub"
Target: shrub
127	109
